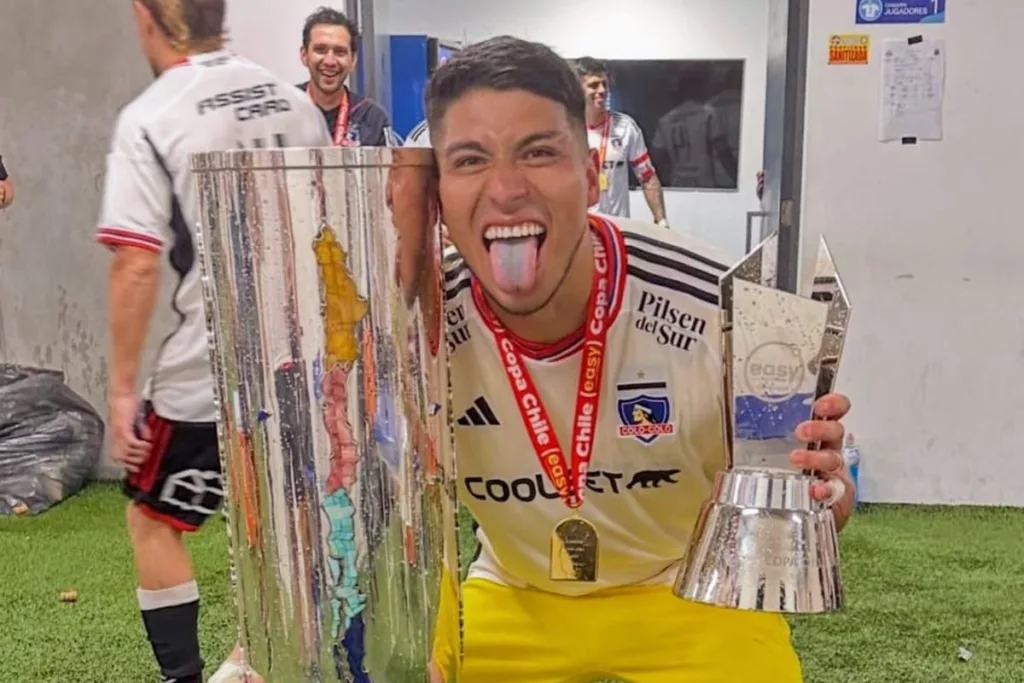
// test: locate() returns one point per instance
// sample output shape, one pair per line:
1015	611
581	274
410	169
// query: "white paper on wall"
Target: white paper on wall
913	89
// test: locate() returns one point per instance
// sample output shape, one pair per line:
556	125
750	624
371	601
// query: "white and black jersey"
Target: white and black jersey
659	435
419	136
210	102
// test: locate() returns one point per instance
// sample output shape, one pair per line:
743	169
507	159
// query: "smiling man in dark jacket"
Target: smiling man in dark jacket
330	48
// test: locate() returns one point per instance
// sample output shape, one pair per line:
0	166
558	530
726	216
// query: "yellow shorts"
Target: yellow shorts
640	634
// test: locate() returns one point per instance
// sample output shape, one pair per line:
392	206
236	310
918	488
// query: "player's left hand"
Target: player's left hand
827	463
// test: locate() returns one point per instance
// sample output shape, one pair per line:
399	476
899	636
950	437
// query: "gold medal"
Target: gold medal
603	181
574	551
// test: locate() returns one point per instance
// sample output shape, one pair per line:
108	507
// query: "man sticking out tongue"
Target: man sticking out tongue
586	383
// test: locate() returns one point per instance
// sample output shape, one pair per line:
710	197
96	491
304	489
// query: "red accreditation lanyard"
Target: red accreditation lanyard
602	152
341	125
606	132
568	482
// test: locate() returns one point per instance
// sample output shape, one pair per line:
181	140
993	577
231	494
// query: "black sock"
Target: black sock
171	617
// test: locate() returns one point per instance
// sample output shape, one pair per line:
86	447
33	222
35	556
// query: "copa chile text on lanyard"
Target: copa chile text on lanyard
574	542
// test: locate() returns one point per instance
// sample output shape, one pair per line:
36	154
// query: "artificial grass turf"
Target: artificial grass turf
921	582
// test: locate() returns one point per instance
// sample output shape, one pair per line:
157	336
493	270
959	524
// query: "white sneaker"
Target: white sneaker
233	672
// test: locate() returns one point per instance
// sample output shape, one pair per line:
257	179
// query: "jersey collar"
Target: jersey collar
200	58
609	233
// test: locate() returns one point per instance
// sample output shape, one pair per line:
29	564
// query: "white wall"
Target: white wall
929	240
618	29
56	117
269	32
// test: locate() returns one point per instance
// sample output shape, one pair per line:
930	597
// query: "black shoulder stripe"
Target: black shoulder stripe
418	130
454	291
633	237
673	264
453	270
675	285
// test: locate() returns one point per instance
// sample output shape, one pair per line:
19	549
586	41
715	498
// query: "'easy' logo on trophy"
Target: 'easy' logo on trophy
774	371
772	399
644	411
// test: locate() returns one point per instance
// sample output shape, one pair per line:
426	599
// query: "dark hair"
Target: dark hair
325	16
588	66
189	24
506	63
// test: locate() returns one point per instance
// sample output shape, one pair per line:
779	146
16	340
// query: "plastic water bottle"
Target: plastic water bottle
851	454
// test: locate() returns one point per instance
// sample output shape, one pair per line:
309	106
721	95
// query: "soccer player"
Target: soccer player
203	99
574	330
618	141
330	48
692	139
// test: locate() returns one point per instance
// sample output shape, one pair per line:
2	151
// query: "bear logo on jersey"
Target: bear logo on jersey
645	411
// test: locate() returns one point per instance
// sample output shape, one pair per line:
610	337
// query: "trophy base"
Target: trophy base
761	543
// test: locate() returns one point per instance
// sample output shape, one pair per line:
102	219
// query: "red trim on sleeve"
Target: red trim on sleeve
642	159
117	237
643	168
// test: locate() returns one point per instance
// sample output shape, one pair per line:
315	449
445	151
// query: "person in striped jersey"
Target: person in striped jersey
620	146
587	392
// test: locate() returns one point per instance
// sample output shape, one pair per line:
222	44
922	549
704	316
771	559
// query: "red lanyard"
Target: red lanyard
568	482
606	131
341	125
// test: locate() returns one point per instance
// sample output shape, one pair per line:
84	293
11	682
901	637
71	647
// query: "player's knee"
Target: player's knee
144	529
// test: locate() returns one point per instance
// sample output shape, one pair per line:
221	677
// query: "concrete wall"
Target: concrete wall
67	68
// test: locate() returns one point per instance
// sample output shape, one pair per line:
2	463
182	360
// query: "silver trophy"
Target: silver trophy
323	282
760	541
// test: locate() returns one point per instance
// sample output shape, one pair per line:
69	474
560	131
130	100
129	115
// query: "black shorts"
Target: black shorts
181	483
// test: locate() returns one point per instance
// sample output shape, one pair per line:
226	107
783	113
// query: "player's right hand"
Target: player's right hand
6	193
130	438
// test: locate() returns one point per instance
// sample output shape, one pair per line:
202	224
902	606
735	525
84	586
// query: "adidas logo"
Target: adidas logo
479	415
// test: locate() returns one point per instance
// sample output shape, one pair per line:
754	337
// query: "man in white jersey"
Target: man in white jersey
587	390
692	139
620	145
203	99
727	105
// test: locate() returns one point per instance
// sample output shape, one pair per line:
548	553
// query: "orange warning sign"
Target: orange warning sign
849	48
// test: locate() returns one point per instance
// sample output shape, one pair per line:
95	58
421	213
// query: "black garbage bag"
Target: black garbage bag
50	440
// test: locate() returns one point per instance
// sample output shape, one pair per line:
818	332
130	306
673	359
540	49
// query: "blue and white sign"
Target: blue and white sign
901	11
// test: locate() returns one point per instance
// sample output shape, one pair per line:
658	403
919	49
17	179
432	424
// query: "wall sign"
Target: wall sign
901	11
849	48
